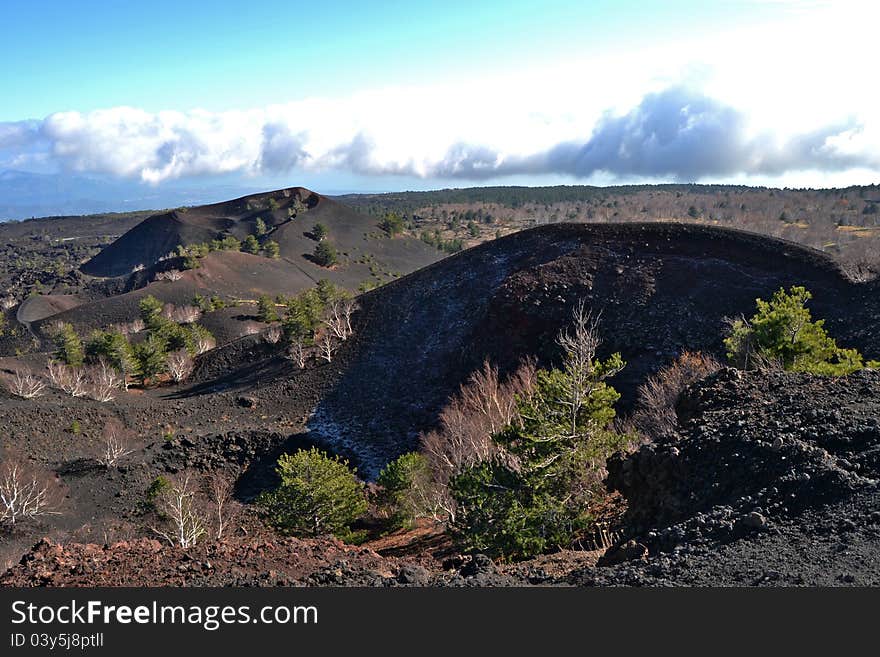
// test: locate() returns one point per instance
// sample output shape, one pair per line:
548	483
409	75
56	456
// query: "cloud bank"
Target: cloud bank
676	133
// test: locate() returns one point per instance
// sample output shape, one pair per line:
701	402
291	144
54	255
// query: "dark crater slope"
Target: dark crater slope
129	265
289	215
161	234
660	289
770	479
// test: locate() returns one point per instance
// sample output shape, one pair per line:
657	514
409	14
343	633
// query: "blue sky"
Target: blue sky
221	55
393	95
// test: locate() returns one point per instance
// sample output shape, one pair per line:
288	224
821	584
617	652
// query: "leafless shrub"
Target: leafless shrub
103	381
57	373
169	275
188	314
26	493
743	349
338	318
180	365
579	341
327	347
180	505
483	406
7	303
116	444
181	314
136	325
297	352
655	406
54	328
204	343
273	334
219	491
68	379
25	384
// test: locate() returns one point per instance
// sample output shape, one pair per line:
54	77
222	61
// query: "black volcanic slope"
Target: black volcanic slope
366	254
660	289
355	236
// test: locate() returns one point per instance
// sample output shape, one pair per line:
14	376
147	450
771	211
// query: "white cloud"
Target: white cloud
768	101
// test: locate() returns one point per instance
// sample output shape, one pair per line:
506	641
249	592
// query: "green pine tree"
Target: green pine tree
318	495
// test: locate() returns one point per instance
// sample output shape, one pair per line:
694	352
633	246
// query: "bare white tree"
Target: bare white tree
204	343
349	308
180	505
182	314
54	327
7	302
190	314
180	365
327	347
116	444
136	325
220	490
483	406
25	384
579	342
25	493
104	381
68	379
273	334
297	352
78	382
57	374
169	275
338	317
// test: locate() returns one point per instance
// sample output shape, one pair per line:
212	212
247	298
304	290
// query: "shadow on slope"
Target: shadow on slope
660	289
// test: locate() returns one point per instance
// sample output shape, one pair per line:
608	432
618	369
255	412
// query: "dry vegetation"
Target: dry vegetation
843	222
654	414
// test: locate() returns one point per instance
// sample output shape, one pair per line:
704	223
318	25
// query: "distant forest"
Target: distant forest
843	222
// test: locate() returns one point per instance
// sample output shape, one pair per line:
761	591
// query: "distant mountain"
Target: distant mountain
24	194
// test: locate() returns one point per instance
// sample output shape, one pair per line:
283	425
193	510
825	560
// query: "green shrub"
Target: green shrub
266	309
250	245
328	292
115	349
272	249
318	495
538	496
782	332
154	491
319	231
150	356
68	346
230	243
325	254
151	310
392	224
303	315
403	483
